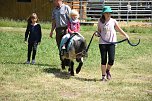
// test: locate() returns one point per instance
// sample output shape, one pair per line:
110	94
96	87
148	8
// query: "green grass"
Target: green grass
44	81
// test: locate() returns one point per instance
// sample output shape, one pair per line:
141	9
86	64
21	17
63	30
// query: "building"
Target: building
21	9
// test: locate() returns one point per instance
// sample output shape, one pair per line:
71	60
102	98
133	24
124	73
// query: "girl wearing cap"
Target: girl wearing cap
33	34
107	28
73	27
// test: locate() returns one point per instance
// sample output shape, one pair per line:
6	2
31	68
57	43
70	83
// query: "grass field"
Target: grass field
44	81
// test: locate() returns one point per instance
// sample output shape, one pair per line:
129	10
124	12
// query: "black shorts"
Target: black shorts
107	50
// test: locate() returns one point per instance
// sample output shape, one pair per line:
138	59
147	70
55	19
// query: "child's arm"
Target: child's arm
26	33
117	27
53	27
40	34
78	27
69	28
99	30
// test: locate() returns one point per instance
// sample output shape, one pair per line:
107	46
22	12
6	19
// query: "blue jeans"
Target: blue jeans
64	40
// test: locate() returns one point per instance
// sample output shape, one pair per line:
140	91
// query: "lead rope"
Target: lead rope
120	41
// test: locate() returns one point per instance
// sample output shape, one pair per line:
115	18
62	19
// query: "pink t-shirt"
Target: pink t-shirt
108	32
73	26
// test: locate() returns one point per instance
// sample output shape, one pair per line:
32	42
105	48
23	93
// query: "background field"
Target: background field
44	81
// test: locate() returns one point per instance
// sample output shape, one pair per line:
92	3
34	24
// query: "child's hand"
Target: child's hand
25	42
127	36
51	33
97	34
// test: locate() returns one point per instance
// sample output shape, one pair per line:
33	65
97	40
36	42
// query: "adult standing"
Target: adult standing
60	18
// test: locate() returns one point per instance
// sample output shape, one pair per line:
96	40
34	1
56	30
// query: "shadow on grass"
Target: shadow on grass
87	79
52	69
10	62
65	75
58	73
23	63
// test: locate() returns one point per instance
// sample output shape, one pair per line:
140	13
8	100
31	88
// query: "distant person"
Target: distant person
129	7
73	28
107	27
33	34
60	18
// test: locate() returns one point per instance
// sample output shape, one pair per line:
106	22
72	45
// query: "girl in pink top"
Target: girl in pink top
73	24
73	27
107	27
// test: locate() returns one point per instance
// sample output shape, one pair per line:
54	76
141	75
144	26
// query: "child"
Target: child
107	27
34	34
73	27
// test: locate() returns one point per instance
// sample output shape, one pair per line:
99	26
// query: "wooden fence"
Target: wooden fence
90	10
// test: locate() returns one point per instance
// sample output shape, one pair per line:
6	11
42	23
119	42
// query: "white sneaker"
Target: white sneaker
33	62
63	47
27	62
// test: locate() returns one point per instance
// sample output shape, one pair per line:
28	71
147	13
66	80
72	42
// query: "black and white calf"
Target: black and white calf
75	49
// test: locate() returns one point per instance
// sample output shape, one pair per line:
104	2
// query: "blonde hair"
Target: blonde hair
74	12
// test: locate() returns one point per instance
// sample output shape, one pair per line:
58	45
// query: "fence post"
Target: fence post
80	11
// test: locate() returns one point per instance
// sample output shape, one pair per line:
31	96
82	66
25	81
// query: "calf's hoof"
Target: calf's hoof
69	70
63	66
72	73
78	70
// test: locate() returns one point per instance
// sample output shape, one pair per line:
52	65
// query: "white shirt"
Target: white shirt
108	32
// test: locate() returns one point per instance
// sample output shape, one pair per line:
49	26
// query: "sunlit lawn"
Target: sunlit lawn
44	81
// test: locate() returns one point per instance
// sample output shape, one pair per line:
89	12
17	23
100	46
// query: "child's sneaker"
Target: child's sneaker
33	62
108	74
103	78
63	47
27	62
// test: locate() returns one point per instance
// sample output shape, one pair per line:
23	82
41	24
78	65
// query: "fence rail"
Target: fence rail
92	10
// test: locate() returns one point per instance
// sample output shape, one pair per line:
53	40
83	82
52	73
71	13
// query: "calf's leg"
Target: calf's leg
71	66
63	65
80	65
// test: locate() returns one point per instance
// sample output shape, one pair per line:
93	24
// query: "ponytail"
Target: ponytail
29	21
102	19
